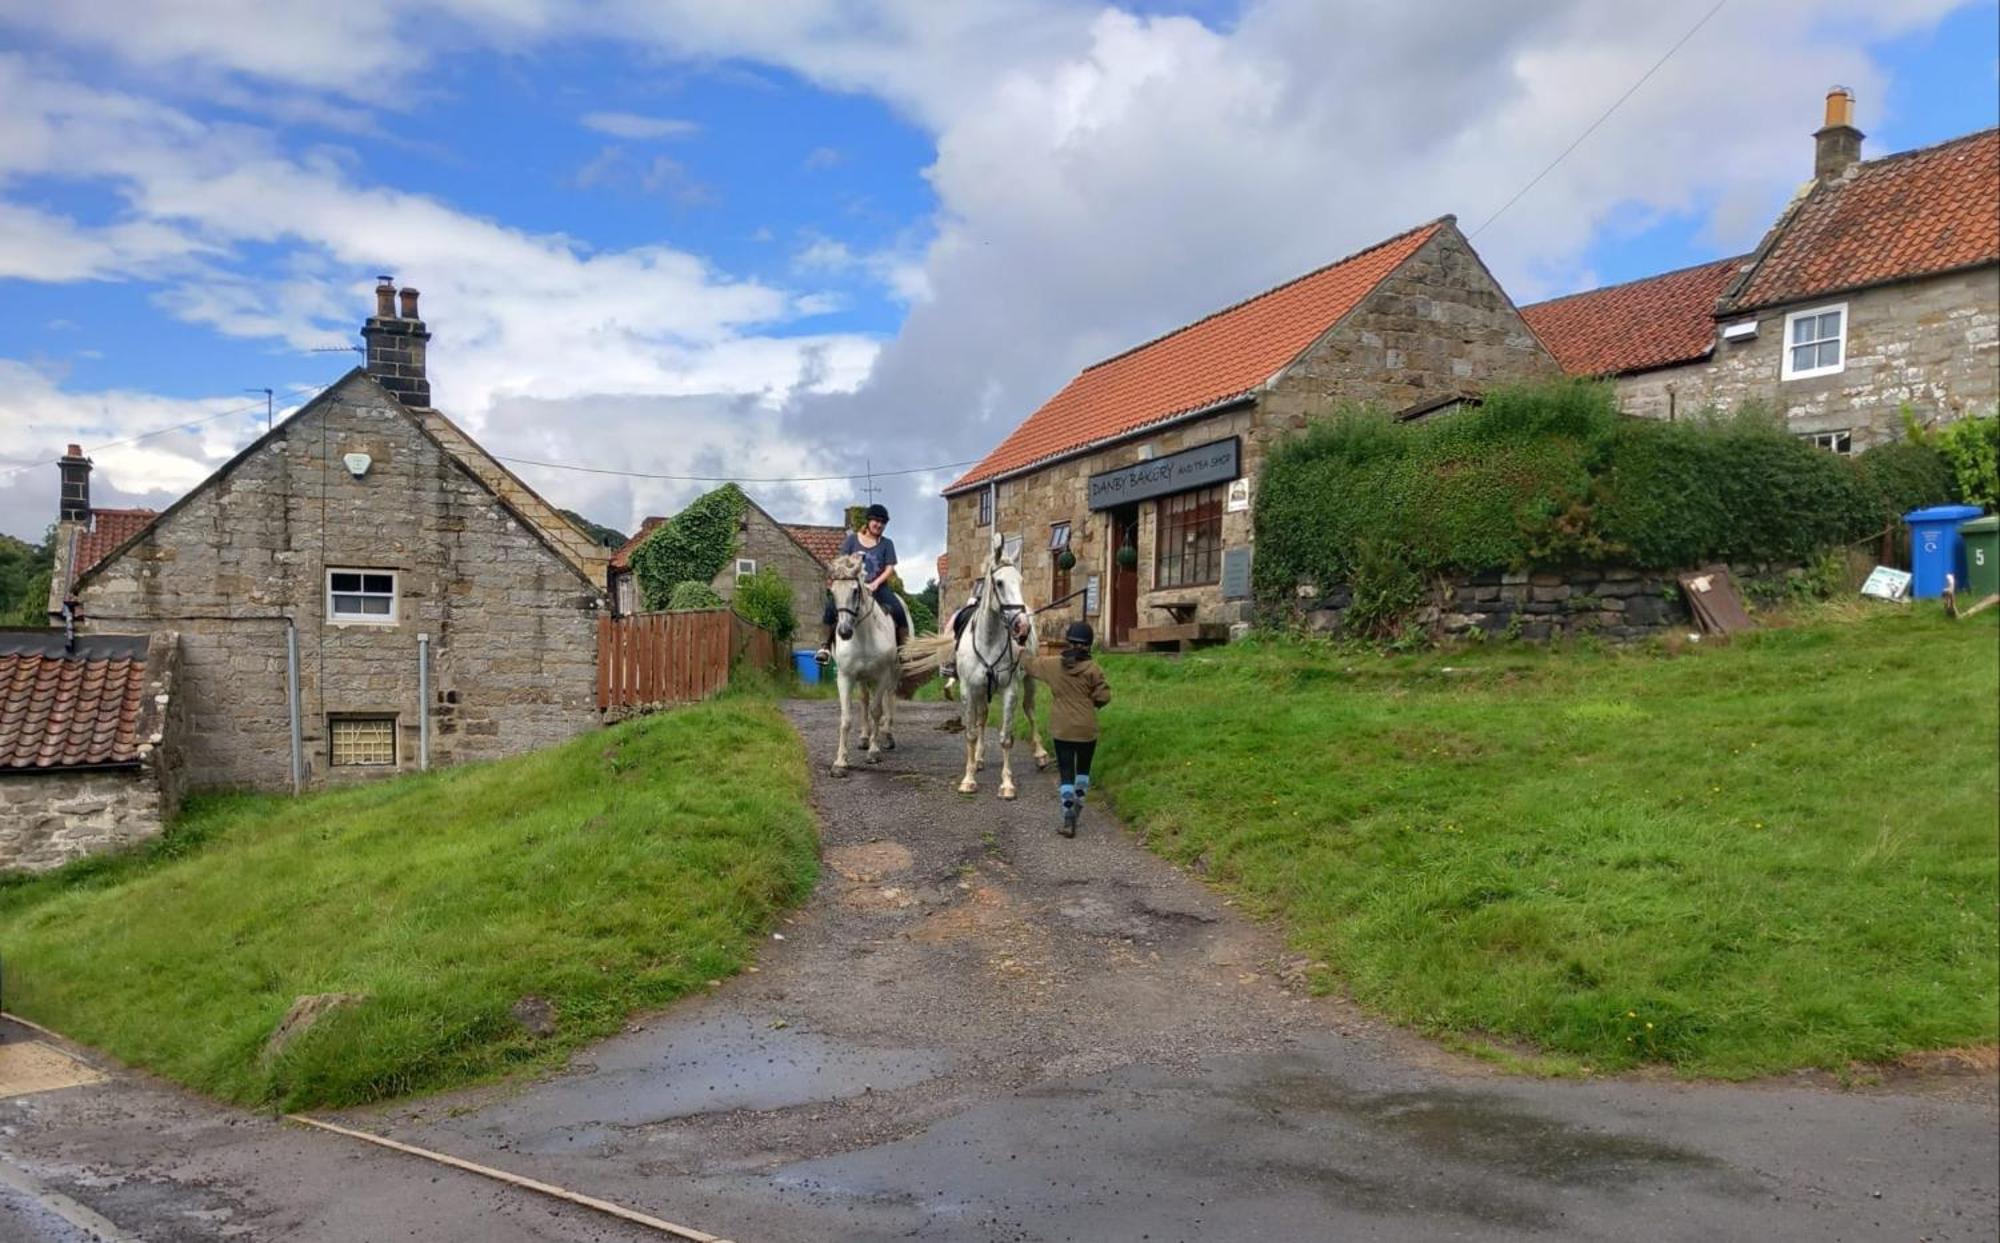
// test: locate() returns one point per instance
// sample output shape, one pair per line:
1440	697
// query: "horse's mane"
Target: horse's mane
847	565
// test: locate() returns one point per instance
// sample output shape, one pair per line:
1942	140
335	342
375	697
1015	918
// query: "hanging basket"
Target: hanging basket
1066	560
1128	556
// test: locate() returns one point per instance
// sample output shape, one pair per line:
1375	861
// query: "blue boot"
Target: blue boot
1071	804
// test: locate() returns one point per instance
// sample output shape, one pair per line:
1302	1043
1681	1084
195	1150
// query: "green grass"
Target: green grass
1734	861
612	873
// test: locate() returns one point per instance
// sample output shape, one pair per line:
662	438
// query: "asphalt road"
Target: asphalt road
978	1030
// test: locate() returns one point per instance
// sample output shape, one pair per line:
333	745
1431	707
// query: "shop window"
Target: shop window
1188	549
362	741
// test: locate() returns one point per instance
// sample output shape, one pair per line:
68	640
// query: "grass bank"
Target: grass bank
1731	861
610	874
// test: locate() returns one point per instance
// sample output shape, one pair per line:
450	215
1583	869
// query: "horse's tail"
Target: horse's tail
925	654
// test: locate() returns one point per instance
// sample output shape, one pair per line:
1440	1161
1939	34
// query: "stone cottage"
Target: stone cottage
363	590
799	552
1142	466
93	734
1877	288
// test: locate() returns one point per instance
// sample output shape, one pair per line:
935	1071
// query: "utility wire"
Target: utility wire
1633	89
635	474
132	440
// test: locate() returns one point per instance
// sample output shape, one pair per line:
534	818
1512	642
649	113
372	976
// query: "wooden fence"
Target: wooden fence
650	659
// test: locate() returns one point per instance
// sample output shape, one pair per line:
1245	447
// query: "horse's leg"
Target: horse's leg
1034	732
871	716
1007	738
974	728
840	751
885	690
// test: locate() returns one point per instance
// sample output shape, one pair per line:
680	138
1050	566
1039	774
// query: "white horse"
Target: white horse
988	664
864	653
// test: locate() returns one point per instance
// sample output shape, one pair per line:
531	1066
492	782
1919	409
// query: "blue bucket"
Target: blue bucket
808	667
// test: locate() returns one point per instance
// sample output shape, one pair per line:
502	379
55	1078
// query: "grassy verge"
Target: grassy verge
1735	861
613	873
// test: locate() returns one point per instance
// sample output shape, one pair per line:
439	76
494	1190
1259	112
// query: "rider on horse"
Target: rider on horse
878	562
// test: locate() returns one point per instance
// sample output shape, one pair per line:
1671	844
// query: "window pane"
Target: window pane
346	604
1802	329
346	582
1803	356
384	583
1829	325
1059	536
375	606
1829	354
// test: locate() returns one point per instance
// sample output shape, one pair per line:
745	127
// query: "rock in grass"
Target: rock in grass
535	1015
305	1011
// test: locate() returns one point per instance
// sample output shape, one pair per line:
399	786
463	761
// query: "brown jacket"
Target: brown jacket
1080	691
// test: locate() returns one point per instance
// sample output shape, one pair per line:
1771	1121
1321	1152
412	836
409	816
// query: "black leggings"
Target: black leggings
1073	758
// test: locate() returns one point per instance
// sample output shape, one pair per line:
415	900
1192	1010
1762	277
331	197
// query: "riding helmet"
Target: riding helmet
878	513
1079	634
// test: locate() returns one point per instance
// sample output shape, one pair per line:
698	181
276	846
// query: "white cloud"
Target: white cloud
630	125
821	158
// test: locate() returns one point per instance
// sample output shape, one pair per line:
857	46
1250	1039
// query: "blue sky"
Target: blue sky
682	238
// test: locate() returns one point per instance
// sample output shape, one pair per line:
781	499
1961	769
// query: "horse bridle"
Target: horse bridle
867	601
1009	614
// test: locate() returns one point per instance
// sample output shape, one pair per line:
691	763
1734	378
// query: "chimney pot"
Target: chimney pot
1837	144
75	451
385	297
410	304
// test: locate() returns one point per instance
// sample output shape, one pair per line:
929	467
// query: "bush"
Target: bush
1972	447
694	546
923	618
692	595
765	599
1551	475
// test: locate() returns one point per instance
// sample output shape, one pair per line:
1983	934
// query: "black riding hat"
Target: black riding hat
1079	634
878	512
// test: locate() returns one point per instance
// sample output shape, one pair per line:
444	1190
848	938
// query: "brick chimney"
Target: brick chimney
396	345
1837	144
75	504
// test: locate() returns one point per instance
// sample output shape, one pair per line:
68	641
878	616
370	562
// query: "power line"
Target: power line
132	440
1601	119
637	474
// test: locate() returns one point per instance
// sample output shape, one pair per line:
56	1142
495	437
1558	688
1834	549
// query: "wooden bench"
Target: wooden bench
1180	636
1182	611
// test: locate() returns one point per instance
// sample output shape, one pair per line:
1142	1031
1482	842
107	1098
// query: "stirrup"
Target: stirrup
823	656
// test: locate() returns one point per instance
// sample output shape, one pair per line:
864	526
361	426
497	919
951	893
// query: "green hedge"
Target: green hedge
1552	475
765	599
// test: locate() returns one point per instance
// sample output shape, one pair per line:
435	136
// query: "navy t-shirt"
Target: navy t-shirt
873	560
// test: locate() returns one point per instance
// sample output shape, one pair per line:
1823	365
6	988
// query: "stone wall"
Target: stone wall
1932	343
762	540
512	624
48	819
1438	324
1611	603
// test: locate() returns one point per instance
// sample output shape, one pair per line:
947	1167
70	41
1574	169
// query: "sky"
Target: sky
794	243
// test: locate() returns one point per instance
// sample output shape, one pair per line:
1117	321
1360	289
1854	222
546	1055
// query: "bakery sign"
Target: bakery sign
1199	467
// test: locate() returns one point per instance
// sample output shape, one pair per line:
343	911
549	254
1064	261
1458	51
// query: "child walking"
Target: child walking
1080	690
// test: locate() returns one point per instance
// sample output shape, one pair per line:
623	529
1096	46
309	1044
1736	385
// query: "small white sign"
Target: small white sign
1090	596
1239	497
1887	584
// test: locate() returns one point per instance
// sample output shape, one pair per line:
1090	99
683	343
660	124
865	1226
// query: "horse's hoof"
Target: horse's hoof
874	757
888	744
1041	762
968	787
1007	793
840	770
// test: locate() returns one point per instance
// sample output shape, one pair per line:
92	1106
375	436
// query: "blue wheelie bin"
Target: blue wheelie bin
1935	548
807	667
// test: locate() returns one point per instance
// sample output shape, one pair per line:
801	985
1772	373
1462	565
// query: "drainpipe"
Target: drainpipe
423	703
292	693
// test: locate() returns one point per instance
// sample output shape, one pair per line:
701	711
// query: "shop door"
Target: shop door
1124	578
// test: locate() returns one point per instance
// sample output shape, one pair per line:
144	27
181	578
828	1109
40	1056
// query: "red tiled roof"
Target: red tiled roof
1905	215
1225	355
622	559
1655	322
822	542
108	529
62	709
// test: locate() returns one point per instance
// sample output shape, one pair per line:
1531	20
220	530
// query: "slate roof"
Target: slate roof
69	709
108	529
1656	322
1223	356
822	542
1935	209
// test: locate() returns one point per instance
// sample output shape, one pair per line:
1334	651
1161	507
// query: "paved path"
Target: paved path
977	1030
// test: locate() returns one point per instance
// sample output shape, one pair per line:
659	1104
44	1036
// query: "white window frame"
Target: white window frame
1058	536
986	506
746	567
340	617
1839	440
335	720
1787	371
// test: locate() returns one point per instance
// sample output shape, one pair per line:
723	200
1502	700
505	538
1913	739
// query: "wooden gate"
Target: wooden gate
650	659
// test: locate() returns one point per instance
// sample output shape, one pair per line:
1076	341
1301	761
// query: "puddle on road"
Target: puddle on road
715	1063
